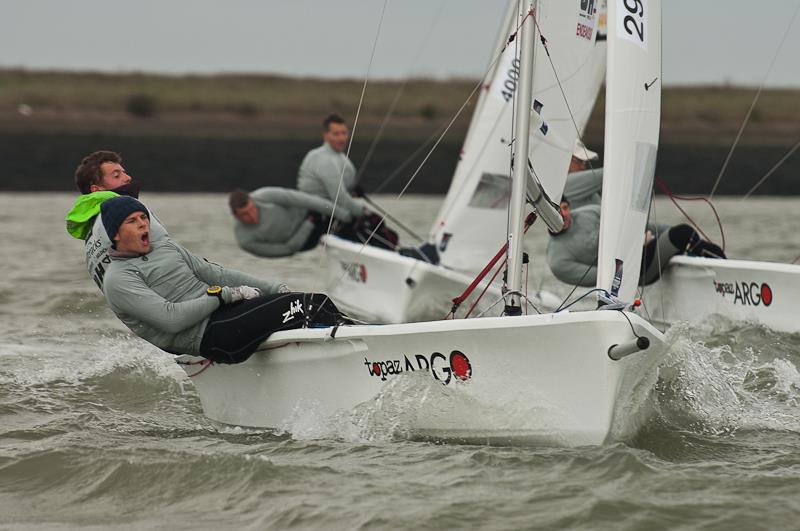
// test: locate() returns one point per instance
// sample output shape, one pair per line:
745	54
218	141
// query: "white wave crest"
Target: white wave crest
45	363
721	389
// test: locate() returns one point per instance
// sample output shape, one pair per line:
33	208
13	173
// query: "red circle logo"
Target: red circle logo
766	294
460	365
376	369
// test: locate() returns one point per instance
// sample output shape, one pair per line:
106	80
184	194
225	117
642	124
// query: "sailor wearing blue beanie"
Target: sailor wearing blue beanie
114	211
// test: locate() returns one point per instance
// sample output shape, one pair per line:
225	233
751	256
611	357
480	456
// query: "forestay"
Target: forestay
633	107
473	220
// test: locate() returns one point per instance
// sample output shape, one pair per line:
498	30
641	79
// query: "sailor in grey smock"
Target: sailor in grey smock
584	187
283	226
161	296
572	254
320	173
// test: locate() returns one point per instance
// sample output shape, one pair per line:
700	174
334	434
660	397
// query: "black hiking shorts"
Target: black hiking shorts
235	330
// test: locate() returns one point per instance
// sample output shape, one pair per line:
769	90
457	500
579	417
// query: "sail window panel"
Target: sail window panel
493	192
644	168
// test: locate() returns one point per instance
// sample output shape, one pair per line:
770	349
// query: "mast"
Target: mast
519	180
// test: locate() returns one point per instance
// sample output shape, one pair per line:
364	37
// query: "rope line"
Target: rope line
657	258
485	271
576	286
352	136
399	93
561	89
477	86
593	290
673	198
384	212
633	330
770	172
753	104
485	289
204	364
358	111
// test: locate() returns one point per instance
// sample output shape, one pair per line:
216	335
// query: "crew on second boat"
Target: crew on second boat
320	174
274	222
572	252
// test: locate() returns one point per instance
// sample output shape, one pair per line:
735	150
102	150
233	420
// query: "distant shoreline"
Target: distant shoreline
254	129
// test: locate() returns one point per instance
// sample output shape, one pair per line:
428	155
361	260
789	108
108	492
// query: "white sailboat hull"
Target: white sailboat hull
553	371
693	288
381	286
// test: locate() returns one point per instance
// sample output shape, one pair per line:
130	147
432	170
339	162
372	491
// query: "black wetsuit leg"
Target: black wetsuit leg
372	230
235	330
320	227
656	255
685	237
679	239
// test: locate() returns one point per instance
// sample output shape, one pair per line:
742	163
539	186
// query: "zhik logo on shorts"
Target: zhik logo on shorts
294	307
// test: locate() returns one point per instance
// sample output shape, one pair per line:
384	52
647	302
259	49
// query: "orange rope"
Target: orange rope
673	198
485	271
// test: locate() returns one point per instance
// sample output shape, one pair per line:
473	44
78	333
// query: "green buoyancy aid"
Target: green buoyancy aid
86	207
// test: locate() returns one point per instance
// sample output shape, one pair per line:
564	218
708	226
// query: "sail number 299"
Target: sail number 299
510	84
634	20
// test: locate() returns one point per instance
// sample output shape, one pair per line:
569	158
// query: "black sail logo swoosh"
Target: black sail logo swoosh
648	85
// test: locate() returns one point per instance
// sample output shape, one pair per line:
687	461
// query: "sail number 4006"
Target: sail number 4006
634	22
510	83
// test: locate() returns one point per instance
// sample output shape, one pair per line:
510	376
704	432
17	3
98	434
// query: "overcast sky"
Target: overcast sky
705	41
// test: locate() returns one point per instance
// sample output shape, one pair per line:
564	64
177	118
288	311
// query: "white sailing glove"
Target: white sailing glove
239	293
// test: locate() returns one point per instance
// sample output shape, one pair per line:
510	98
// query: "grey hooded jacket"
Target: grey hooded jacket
319	175
572	254
283	227
161	296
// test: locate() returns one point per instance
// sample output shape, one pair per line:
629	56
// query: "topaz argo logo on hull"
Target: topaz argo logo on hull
745	293
442	368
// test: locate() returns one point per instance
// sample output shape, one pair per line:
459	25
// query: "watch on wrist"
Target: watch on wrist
215	291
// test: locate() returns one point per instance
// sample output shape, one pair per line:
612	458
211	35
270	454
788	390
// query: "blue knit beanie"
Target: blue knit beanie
114	211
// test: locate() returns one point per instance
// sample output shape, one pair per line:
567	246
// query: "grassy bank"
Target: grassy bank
216	132
273	106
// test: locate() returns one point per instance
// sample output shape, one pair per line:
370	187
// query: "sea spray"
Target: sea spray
411	405
717	390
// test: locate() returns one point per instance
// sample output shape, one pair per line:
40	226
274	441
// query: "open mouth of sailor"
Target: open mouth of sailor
134	234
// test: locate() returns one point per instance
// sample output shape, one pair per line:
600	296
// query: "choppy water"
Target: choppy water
99	429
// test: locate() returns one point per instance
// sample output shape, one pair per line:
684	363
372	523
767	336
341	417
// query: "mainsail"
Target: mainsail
473	219
633	112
